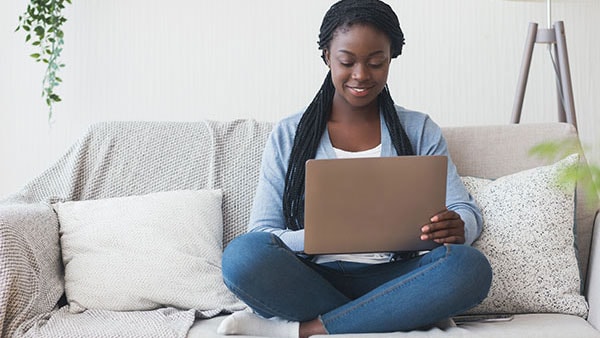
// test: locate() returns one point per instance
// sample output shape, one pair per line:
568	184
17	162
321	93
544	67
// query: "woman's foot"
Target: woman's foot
248	323
312	327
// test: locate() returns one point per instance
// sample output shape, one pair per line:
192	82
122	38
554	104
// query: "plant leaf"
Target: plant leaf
39	30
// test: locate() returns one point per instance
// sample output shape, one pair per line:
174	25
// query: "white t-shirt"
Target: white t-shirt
368	258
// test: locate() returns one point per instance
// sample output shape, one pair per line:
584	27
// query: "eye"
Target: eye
376	65
347	64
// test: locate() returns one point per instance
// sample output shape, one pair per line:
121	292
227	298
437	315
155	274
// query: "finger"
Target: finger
445	215
436	235
442	234
442	225
458	239
448	235
450	240
442	230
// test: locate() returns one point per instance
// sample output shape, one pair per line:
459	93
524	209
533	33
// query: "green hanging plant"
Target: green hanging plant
42	22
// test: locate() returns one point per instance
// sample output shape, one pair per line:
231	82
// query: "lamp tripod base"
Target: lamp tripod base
555	37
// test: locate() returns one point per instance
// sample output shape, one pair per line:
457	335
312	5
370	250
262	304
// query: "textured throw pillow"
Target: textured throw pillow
145	252
529	240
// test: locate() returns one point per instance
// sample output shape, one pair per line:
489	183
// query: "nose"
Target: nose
360	72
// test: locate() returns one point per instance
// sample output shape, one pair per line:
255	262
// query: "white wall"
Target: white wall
189	60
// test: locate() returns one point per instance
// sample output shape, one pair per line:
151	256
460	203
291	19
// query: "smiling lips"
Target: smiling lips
359	91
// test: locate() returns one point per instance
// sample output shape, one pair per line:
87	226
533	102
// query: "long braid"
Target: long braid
308	135
313	122
397	133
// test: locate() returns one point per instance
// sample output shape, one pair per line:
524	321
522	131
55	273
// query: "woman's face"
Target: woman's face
359	58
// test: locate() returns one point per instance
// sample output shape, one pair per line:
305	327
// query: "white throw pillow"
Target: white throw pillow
528	238
145	252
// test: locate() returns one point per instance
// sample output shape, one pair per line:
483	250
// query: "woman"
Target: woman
352	115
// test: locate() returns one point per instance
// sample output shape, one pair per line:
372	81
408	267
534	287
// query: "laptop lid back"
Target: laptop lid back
378	204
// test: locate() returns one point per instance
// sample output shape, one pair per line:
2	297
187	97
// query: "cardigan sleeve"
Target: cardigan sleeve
267	211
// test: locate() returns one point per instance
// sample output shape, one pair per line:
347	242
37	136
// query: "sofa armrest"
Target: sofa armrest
31	278
593	281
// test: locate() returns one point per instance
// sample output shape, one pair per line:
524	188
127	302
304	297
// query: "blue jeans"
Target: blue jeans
353	297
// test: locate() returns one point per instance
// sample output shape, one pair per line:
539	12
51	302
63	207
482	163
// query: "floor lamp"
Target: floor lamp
554	37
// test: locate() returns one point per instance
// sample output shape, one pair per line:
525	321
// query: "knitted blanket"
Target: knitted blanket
117	159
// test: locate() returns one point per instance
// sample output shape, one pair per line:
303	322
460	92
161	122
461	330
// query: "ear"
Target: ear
327	57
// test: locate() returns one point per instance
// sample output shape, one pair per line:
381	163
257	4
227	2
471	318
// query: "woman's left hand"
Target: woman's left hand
445	227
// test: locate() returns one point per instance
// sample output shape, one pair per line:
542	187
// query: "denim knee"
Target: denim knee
476	270
246	244
242	253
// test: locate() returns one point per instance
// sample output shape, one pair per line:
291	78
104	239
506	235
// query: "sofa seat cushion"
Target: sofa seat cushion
526	325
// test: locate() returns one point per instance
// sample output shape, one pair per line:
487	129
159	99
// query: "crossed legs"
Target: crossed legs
349	297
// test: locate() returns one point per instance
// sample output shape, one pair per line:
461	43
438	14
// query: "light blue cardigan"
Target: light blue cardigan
426	139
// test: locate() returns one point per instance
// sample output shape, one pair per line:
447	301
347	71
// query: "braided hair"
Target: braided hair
313	122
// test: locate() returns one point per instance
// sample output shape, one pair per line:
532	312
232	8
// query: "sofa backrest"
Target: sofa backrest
115	159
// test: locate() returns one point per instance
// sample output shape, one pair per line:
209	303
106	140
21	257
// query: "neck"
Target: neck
348	114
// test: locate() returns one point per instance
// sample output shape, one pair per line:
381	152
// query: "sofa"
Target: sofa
543	245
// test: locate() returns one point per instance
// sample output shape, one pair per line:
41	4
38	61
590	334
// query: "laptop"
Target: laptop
379	204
